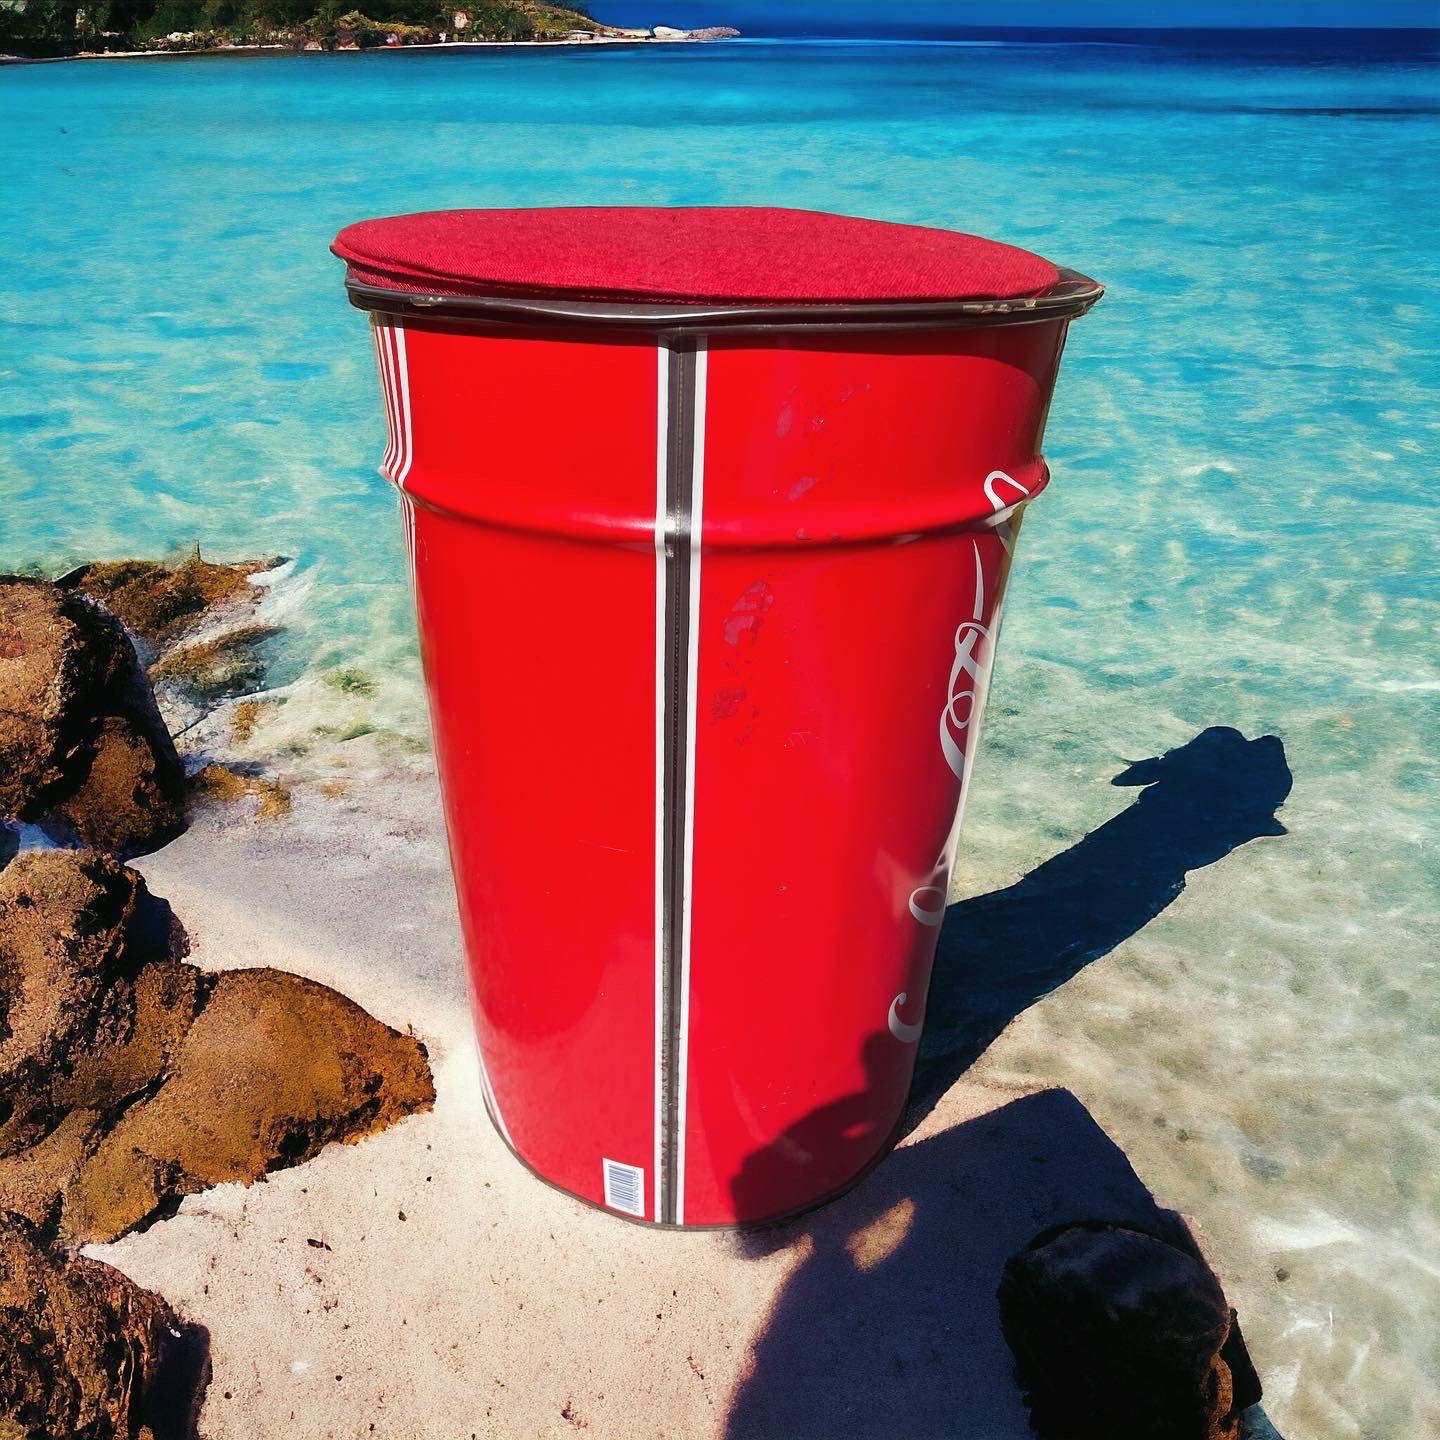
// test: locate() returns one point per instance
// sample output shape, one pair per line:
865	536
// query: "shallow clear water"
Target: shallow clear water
1242	530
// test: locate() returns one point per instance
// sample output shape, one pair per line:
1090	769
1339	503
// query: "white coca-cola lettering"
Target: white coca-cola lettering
927	903
959	725
906	1034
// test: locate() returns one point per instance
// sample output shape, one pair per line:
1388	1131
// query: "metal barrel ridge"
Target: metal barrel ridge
708	599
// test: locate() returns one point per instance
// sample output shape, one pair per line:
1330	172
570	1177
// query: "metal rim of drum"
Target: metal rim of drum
1071	296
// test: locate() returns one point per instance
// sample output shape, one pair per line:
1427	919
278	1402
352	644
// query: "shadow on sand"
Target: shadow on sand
890	1326
1000	953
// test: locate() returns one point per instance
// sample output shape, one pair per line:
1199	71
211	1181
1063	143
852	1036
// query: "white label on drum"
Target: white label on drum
624	1187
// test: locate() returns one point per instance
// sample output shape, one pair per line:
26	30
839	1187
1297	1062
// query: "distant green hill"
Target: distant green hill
60	27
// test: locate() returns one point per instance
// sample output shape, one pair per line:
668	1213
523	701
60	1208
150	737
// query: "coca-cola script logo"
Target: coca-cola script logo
960	724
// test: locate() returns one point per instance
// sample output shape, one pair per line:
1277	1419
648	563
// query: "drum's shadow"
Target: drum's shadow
890	1326
1000	953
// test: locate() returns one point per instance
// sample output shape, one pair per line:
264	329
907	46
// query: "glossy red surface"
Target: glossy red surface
854	501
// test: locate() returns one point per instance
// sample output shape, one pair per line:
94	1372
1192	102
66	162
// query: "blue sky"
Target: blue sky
891	15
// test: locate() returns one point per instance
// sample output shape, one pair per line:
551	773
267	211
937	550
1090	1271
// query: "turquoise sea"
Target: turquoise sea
1243	529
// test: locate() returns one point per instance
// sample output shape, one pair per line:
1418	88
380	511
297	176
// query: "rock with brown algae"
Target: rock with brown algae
274	1068
85	1353
129	1079
159	602
82	745
94	999
194	624
1121	1335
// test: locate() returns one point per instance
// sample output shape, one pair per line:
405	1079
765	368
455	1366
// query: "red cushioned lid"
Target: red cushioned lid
705	256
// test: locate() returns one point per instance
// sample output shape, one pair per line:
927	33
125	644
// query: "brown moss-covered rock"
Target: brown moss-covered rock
195	625
58	658
81	741
274	1068
1120	1335
33	1180
211	669
129	1078
129	798
157	601
83	1349
219	782
64	925
93	997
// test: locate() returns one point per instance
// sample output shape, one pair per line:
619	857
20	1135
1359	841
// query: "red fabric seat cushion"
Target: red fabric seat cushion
735	255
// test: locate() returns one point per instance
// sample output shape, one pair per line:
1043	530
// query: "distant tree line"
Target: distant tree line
61	27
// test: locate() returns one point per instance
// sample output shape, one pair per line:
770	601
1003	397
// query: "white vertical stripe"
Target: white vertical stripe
377	334
697	533
397	453
390	399
407	454
388	346
662	445
407	516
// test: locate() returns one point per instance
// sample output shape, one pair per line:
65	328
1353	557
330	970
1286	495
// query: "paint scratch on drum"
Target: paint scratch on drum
747	613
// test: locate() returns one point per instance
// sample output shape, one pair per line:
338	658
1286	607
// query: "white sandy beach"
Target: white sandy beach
422	1284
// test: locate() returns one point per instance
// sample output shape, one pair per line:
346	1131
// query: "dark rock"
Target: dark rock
129	1079
128	800
273	1069
57	657
93	997
85	1350
155	601
194	626
1120	1335
81	742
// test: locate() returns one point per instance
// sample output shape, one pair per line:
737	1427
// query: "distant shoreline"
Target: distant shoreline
596	42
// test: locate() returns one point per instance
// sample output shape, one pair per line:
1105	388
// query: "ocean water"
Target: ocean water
1242	530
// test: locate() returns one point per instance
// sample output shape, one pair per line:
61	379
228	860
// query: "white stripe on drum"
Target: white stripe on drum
377	334
696	542
396	454
407	516
662	443
407	453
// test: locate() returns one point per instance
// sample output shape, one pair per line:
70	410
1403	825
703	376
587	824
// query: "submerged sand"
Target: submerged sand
422	1284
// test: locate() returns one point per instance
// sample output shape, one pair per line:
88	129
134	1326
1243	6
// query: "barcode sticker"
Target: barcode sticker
624	1187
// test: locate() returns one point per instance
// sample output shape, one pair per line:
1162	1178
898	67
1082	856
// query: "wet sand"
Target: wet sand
422	1284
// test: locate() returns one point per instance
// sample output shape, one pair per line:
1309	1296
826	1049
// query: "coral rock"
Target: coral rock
274	1068
155	601
92	994
1119	1335
79	731
83	1346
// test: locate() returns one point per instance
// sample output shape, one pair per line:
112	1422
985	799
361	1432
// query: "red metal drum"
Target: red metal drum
710	514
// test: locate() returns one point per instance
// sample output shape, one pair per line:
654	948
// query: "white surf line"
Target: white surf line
697	528
662	445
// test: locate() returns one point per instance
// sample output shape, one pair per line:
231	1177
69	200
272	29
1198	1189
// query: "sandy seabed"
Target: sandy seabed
423	1284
